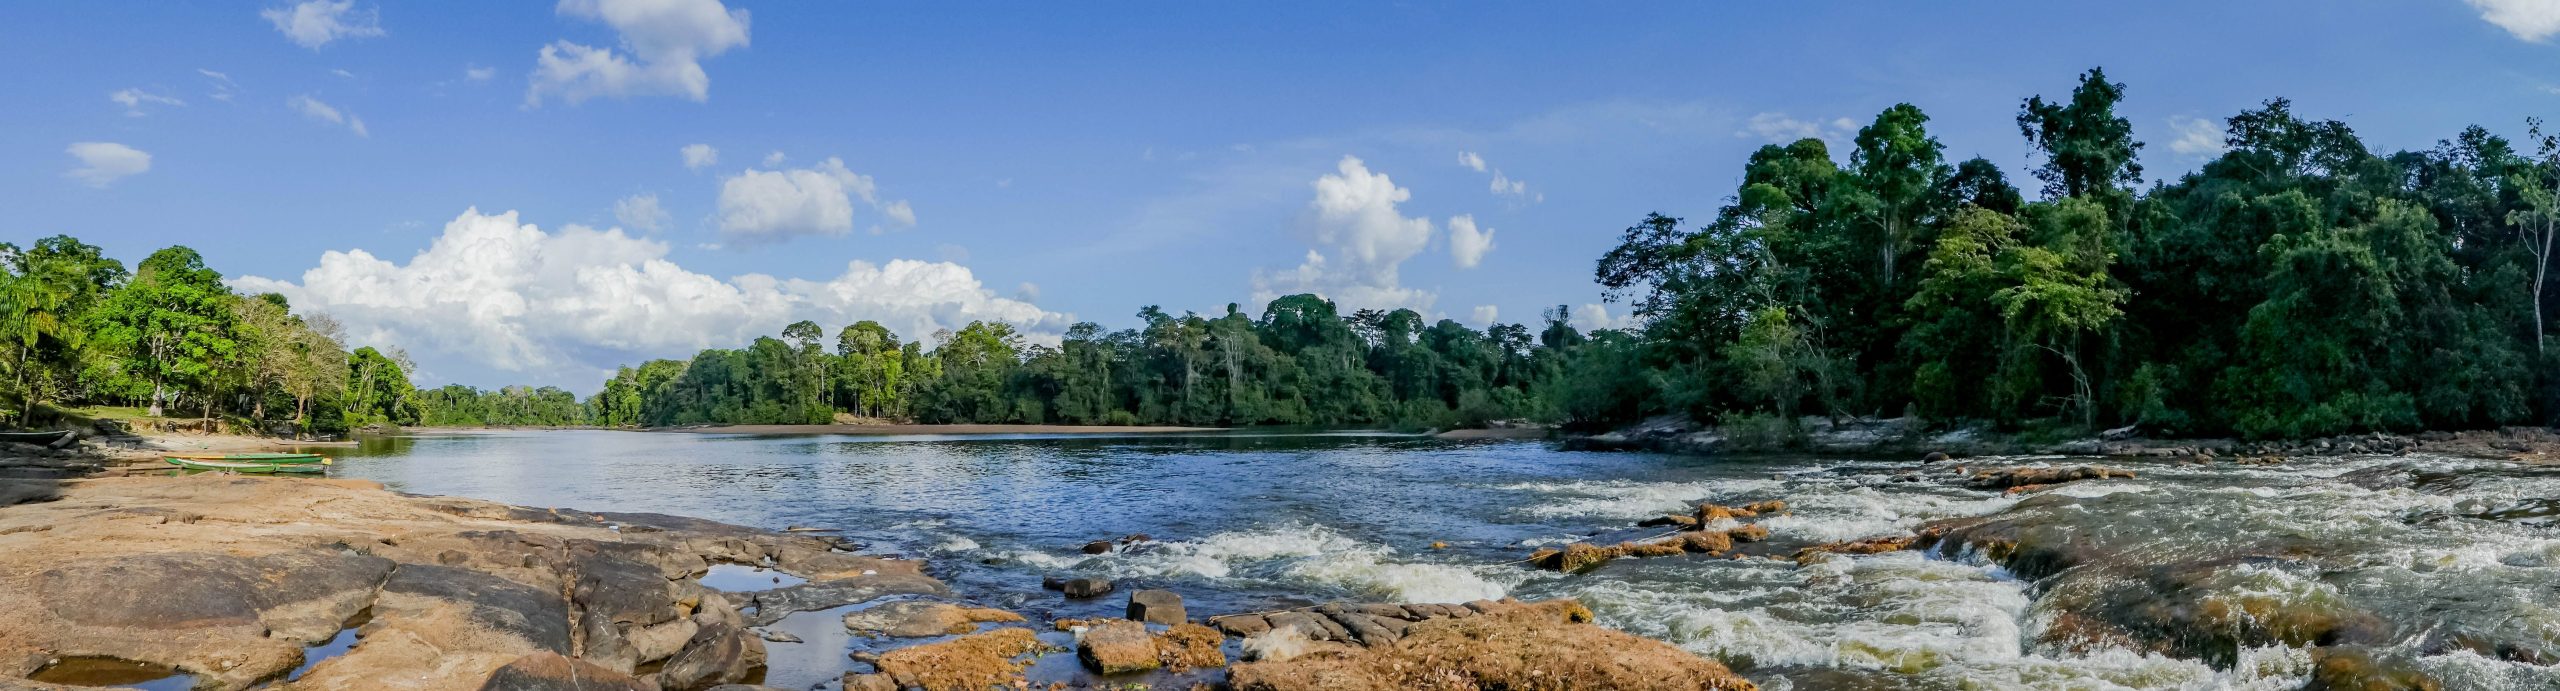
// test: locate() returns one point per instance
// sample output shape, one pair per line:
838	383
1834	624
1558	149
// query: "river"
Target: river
2446	567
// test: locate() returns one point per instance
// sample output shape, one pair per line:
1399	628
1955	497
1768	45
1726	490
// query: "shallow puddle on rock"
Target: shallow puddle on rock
821	655
336	645
739	578
108	671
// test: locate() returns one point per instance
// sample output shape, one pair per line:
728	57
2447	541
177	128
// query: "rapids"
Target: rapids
2187	577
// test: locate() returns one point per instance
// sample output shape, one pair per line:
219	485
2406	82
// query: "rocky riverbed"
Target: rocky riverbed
230	582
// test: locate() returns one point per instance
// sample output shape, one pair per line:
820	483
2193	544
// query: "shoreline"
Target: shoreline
909	429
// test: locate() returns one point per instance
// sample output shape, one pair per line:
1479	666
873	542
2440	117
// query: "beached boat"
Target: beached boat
275	458
247	466
46	438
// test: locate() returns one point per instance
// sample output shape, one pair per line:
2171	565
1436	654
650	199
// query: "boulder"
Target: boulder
552	672
1157	607
975	661
1098	547
917	618
1086	587
1118	647
719	653
1549	645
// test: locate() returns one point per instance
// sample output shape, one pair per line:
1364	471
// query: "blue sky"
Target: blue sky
1042	163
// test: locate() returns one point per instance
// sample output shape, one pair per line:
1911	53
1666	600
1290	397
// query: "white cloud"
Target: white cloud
134	98
1595	316
1471	161
1487	314
663	43
775	159
699	156
2531	20
773	205
315	23
1467	245
641	211
1356	220
1504	185
342	72
479	74
314	109
501	294
223	87
104	162
1782	129
2197	137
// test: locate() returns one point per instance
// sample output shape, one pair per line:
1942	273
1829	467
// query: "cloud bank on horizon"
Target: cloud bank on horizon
505	294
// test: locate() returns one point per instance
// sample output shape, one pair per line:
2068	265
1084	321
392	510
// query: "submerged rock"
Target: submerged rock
2034	476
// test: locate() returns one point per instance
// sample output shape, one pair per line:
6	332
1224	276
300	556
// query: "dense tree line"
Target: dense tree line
78	328
1300	363
2299	284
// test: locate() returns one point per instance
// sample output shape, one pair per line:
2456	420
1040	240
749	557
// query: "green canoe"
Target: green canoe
271	458
247	466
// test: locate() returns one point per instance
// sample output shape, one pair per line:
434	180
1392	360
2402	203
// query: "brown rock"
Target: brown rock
1086	587
1748	533
1873	545
1574	557
718	654
918	618
1117	647
1157	607
1241	625
968	663
1098	547
1191	646
1543	646
551	672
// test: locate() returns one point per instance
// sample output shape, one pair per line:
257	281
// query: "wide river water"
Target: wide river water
2451	567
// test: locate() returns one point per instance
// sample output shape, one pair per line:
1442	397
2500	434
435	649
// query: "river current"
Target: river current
2446	566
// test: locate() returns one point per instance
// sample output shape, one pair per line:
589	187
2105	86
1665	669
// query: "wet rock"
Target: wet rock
1748	533
772	605
718	654
1191	646
1241	625
1098	547
1117	647
1769	506
1085	587
2005	478
1543	646
1157	607
1660	521
1574	557
552	672
968	663
916	619
2358	669
1934	457
1873	545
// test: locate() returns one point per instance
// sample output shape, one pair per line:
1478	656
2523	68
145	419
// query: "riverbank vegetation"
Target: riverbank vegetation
2297	284
167	336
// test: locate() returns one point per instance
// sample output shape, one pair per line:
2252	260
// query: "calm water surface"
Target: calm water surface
1253	521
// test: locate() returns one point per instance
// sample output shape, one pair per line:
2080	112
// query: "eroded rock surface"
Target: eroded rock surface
1548	645
228	579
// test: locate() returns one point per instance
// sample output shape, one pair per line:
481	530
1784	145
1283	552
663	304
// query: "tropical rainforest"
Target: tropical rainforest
2299	284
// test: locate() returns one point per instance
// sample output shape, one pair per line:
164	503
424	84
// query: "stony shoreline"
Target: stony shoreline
304	583
1907	437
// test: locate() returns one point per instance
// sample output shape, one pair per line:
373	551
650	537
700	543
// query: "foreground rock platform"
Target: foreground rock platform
232	579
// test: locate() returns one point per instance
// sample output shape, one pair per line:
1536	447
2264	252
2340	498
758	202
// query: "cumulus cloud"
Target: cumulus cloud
105	162
1779	128
641	212
663	43
323	112
315	23
499	293
135	98
1471	161
2197	137
1595	316
1467	245
699	156
1502	185
1361	239
775	159
773	205
2531	20
1487	314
